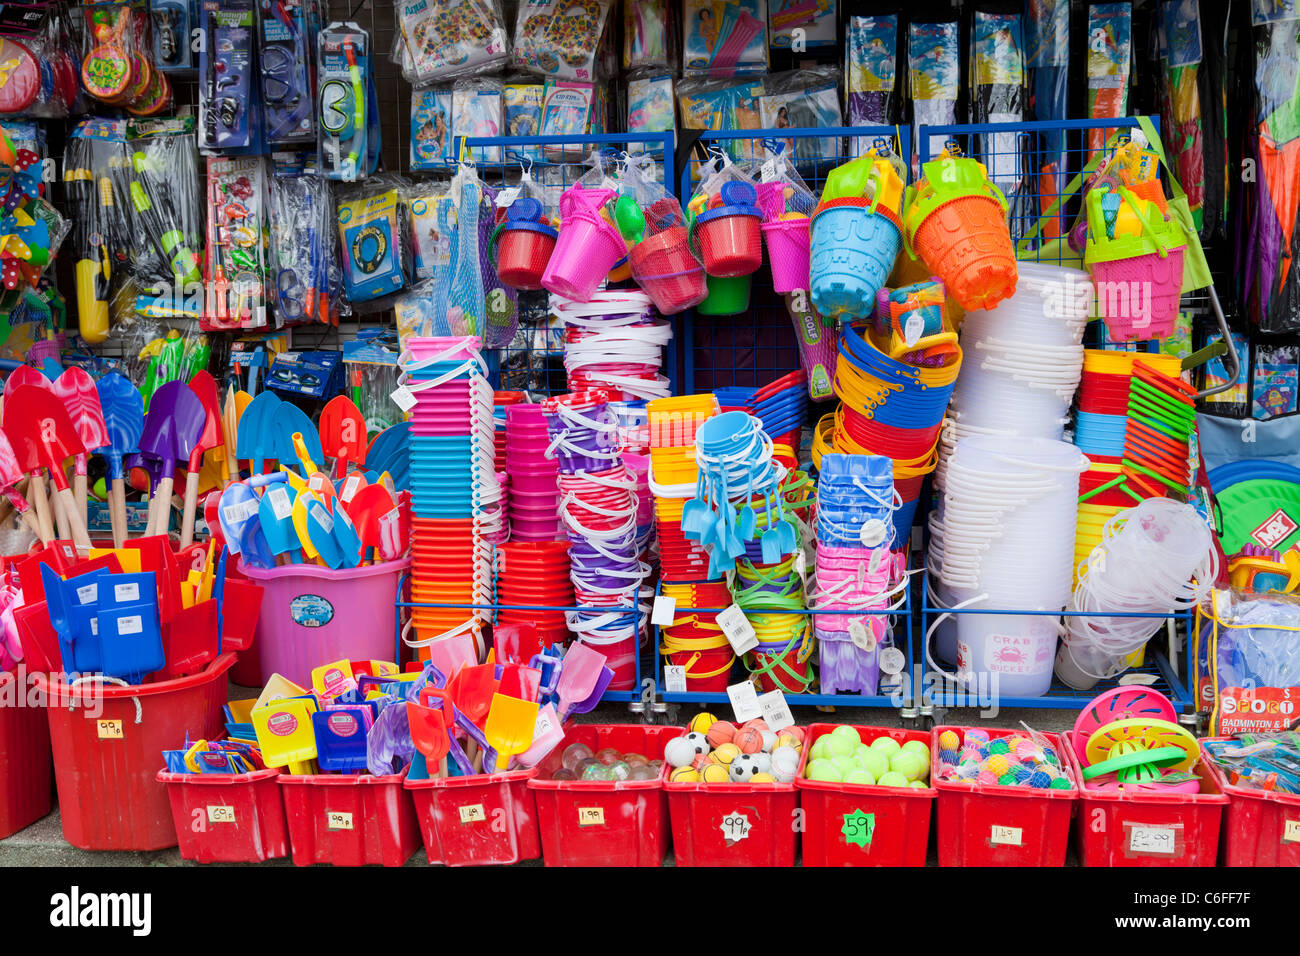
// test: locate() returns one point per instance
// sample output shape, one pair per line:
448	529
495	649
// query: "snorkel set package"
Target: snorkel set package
347	106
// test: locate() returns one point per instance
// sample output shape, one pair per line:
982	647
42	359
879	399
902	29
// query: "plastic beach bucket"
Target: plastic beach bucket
852	253
789	251
664	267
966	243
587	249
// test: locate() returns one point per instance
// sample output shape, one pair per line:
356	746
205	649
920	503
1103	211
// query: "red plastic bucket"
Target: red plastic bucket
349	820
477	821
730	245
1135	828
595	823
24	757
896	830
982	825
732	824
522	255
228	817
106	764
1260	827
664	267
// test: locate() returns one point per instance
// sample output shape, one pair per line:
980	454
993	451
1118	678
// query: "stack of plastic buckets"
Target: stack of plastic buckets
856	570
535	574
499	402
534	492
455	497
783	657
1008	543
694	640
614	341
674	475
598	509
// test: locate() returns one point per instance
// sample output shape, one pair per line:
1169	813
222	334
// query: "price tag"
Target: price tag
94	627
1006	836
507	196
776	711
109	729
280	502
1161	840
403	398
89	593
1291	831
744	701
913	329
125	593
735	827
221	814
543	725
472	813
674	679
338	820
591	816
664	610
350	488
767	172
739	632
131	624
800	562
861	636
323	518
873	533
892	661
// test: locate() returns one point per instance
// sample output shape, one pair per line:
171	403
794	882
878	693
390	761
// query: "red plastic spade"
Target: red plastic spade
343	433
10	475
366	508
43	436
77	391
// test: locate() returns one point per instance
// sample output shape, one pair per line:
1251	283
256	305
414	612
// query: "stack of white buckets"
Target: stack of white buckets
1002	535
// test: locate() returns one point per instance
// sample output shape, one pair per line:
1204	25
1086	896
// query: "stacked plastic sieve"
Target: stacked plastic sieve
455	497
598	510
856	571
614	341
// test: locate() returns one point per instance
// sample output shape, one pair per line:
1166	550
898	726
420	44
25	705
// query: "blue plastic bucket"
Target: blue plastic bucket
853	252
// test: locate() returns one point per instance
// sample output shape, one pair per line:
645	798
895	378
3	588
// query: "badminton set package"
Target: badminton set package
347	103
40	65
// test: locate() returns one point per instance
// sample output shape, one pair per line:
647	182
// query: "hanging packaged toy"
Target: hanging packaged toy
1110	57
566	111
236	259
302	242
430	213
371	230
1248	660
724	220
226	65
803	99
40	76
650	108
855	235
997	84
645	34
438	40
659	249
522	243
117	68
812	22
522	103
872	62
934	75
97	229
287	67
787	206
431	139
724	38
559	38
31	229
345	100
174	23
476	113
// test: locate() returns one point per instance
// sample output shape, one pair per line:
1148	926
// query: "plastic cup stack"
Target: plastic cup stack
598	510
1008	543
673	478
455	496
1158	557
614	341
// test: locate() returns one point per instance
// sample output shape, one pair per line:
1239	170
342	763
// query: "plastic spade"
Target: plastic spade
123	410
229	428
204	388
317	480
24	375
254	439
429	734
509	727
471	691
275	512
43	436
579	675
287	420
10	475
172	428
303	502
320	528
353	483
343	433
77	391
238	511
366	508
597	692
345	533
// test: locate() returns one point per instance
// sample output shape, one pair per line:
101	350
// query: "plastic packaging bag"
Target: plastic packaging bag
646	33
476	111
724	37
439	40
651	221
872	60
432	145
236	261
372	233
41	65
559	38
307	276
934	76
1248	660
1110	57
997	84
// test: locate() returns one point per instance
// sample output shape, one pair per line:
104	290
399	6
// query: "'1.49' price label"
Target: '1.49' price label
1006	836
1291	831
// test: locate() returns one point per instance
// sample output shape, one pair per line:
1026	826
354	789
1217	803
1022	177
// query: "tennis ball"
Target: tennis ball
886	746
701	723
725	754
948	740
917	784
824	771
785	763
909	765
845	732
714	773
843	746
874	762
821	748
684	775
845	765
762	778
918	747
862	777
893	779
720	732
749	740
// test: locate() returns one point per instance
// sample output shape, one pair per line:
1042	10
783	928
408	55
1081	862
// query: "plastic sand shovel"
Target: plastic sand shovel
520	680
366	507
255	435
229	428
10	475
320	528
509	727
288	420
123	410
275	512
285	734
76	389
211	437
239	507
341	737
429	734
579	674
43	436
471	690
172	427
597	692
301	503
343	433
24	375
317	480
353	483
548	732
345	534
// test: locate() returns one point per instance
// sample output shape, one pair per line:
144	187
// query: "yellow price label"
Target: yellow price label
472	813
591	816
109	729
1291	831
221	814
338	820
1006	836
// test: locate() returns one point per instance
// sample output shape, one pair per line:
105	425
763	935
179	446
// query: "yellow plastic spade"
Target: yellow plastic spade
285	734
509	727
330	680
128	558
278	688
241	711
300	505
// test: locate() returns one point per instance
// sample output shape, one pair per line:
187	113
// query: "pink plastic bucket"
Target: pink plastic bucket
525	484
1122	290
458	348
311	614
789	250
587	249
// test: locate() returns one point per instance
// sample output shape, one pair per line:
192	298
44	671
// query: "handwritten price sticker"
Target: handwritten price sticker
736	827
218	814
109	729
338	820
1158	840
591	816
1006	836
472	813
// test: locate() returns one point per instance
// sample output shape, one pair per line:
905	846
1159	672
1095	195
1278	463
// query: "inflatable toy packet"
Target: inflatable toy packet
559	38
439	40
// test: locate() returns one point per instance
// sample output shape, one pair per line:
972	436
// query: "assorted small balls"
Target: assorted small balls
579	762
1008	760
718	751
842	756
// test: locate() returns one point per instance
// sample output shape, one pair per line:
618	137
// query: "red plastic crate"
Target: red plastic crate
732	824
593	823
1131	828
25	791
349	820
898	824
1260	827
479	820
106	757
228	817
983	825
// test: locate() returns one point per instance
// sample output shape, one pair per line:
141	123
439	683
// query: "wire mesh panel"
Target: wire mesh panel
534	359
758	345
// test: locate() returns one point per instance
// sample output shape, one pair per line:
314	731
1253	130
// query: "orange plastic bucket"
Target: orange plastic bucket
966	243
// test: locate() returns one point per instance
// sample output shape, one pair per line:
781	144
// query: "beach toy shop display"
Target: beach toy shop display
545	480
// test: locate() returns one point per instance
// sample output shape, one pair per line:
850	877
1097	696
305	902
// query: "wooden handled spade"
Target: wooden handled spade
43	436
204	388
123	410
172	428
77	391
